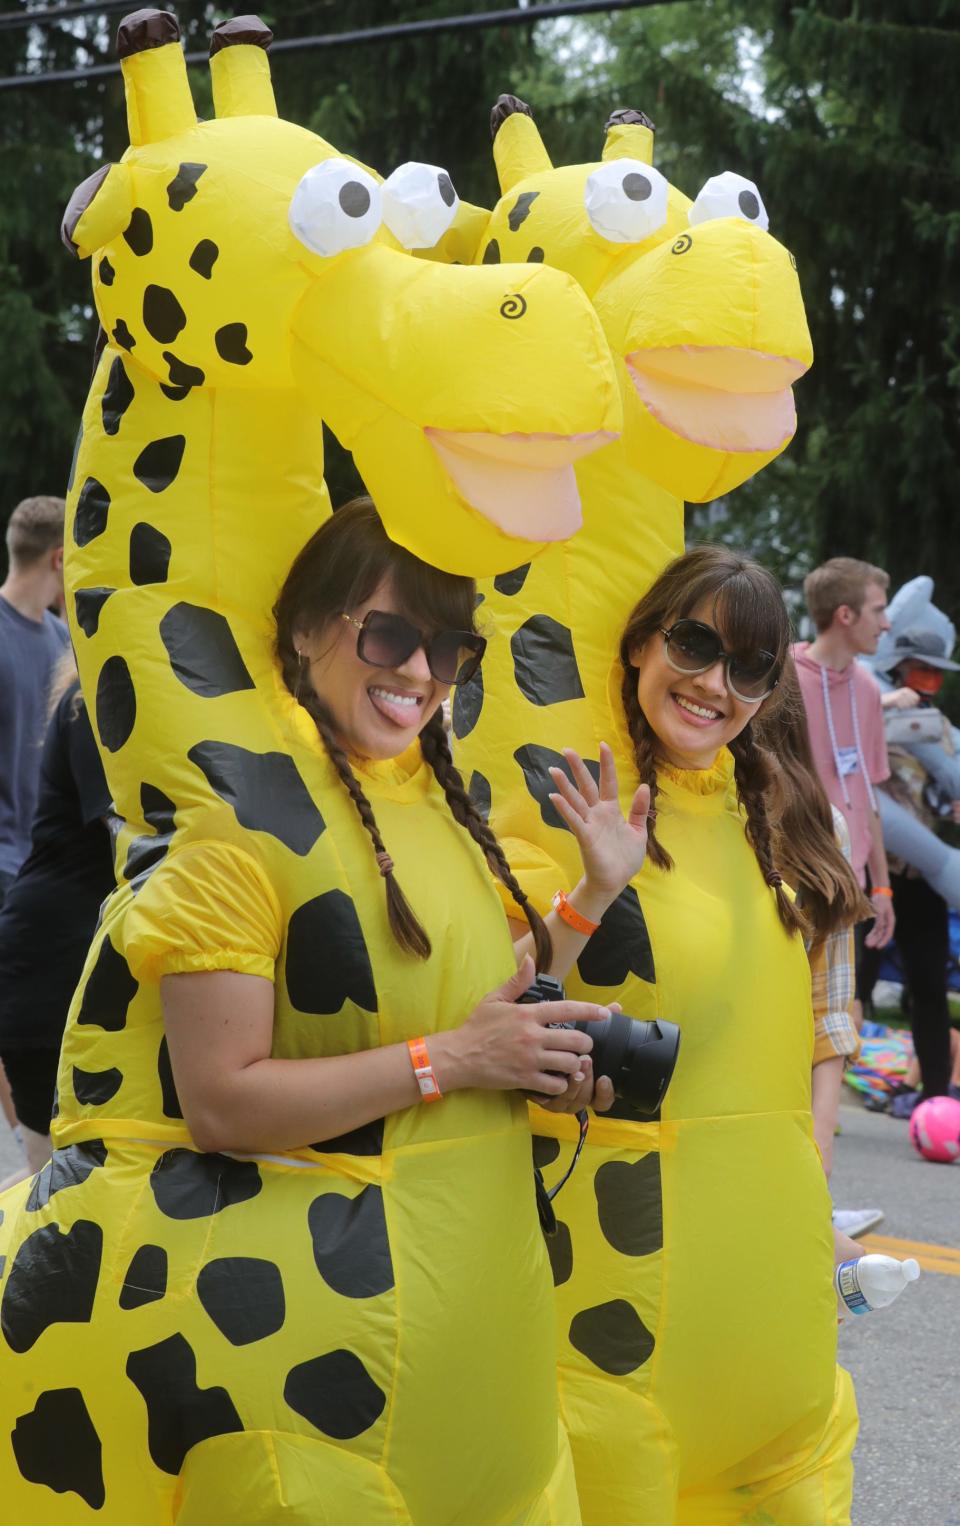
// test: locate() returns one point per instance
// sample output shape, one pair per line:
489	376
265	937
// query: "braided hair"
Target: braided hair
338	568
748	607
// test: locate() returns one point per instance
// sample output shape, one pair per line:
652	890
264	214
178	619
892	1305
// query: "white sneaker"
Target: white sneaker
857	1221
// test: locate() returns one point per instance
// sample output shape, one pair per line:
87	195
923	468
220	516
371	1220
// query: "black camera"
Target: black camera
639	1057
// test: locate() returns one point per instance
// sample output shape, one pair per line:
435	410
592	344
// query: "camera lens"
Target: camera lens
639	1057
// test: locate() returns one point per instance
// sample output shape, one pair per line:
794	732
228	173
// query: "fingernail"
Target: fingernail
578	1075
603	1011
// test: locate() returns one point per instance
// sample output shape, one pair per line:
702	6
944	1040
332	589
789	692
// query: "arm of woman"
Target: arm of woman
236	1096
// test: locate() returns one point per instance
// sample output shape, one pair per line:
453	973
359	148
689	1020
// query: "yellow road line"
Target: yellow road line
933	1258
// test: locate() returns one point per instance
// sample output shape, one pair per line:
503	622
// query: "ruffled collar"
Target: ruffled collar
714	780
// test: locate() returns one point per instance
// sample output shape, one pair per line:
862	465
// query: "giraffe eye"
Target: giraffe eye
626	200
729	195
419	204
335	207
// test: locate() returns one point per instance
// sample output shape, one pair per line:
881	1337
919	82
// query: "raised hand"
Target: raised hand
612	846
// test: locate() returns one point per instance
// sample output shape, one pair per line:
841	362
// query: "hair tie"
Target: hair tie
774	880
385	864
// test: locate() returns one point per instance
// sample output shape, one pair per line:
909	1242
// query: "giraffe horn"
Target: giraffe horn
159	103
240	68
518	149
628	135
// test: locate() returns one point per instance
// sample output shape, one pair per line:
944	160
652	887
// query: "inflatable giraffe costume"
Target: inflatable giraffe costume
696	1320
320	1335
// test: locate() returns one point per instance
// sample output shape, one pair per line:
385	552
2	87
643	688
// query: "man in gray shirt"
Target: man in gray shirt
31	641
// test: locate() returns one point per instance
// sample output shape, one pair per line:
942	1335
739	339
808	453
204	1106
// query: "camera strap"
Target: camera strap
545	1195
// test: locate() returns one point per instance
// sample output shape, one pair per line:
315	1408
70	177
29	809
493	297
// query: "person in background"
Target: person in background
922	921
50	912
847	601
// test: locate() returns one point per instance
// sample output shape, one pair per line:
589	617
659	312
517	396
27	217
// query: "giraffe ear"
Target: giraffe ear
98	211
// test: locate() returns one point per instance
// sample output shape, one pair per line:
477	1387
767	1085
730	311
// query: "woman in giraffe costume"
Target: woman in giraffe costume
696	1322
351	1323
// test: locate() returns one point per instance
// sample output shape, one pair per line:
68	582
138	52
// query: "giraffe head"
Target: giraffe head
701	306
244	252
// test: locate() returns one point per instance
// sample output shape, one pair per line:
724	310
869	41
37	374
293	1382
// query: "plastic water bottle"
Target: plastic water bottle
872	1282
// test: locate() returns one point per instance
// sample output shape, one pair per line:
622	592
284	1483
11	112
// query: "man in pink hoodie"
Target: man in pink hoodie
847	601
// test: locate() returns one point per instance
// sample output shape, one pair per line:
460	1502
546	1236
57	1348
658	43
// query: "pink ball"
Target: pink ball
935	1129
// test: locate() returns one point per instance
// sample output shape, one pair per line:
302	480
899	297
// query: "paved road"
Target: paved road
905	1360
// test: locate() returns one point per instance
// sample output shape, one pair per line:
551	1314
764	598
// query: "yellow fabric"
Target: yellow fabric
360	1331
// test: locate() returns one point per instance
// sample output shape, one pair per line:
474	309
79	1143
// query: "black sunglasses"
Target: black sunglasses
692	647
388	641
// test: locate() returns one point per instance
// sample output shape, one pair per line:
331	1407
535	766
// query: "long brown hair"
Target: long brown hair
805	844
337	569
749	611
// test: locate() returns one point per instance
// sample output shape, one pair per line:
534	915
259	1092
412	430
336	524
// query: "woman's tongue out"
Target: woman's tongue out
399	706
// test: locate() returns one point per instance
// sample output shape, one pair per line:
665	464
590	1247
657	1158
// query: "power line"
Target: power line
475	21
12	20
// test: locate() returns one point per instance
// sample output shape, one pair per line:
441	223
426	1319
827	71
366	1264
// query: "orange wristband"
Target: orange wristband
882	890
424	1072
572	916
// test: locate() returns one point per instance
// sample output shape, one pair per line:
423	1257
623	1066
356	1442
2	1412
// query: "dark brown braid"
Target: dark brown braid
404	924
754	776
436	751
645	751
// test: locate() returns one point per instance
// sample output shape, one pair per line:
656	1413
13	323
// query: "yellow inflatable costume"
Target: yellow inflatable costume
696	1320
362	1330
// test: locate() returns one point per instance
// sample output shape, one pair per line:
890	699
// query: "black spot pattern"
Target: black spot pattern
467	704
116	703
183	187
491	255
159	462
511	582
612	1336
204	257
630	1204
560	1251
265	790
202	651
621	945
520	210
92	1088
544	662
545	1150
122	335
243	1295
749	204
163	317
149	555
327	961
335	1393
106	272
179	1413
88	603
117	396
109	991
535	256
183	378
187	1185
146	852
350	1244
146	1279
366	1140
53	1280
168	1088
480	793
65	1168
139	231
231	342
534	760
90	519
57	1445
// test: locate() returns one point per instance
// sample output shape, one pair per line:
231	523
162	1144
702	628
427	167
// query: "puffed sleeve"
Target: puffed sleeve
207	906
540	876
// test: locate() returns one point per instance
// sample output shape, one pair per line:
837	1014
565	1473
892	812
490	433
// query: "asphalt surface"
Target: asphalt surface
905	1360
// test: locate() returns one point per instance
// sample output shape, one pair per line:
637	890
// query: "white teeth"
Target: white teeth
688	704
396	699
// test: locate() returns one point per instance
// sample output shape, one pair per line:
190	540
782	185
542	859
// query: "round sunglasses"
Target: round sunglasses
388	641
692	647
